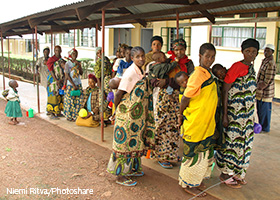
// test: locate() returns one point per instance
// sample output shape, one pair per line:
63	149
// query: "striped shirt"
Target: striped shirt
266	74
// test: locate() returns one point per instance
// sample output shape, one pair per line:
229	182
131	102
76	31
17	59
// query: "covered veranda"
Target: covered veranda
100	13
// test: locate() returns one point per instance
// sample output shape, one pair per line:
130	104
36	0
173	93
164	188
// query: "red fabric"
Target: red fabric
181	62
238	69
51	61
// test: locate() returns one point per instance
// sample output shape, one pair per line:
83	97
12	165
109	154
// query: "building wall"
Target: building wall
226	56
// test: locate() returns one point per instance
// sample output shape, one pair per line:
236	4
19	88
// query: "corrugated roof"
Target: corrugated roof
88	13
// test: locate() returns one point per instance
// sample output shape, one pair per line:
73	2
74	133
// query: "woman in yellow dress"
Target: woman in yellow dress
197	121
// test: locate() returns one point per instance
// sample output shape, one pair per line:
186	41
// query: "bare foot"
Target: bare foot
195	191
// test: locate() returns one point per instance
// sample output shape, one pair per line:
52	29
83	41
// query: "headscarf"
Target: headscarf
182	62
158	38
91	76
179	42
71	51
46	48
250	43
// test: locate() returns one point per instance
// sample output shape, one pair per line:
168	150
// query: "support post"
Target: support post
96	35
177	24
255	29
119	34
74	38
2	49
51	43
37	77
33	59
102	75
9	58
210	34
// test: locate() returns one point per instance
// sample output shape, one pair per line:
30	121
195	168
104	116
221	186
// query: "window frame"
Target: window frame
223	37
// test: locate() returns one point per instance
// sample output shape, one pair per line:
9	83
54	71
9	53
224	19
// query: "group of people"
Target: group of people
158	100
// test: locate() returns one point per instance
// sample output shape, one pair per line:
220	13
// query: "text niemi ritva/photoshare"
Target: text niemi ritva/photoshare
41	191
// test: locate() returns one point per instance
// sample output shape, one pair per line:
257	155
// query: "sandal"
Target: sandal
135	174
127	183
240	181
230	182
166	165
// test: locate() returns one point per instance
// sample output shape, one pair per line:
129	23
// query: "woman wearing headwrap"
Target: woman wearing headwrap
107	77
55	82
73	72
91	99
156	45
238	98
41	67
167	109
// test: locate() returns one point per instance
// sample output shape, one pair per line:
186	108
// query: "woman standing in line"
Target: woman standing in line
239	89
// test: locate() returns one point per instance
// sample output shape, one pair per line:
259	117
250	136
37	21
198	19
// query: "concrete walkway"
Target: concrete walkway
263	176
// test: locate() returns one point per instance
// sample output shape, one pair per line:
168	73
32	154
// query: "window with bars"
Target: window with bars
65	39
225	36
169	34
84	37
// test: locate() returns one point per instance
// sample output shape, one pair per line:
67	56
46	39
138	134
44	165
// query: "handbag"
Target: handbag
75	93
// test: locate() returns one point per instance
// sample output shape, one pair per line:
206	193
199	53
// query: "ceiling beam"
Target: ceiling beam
204	11
175	2
142	22
126	3
86	11
37	20
234	21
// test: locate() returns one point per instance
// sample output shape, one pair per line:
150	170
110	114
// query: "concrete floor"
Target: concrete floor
263	176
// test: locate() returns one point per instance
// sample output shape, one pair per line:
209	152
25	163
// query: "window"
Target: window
65	39
170	34
56	39
84	37
233	36
92	37
28	45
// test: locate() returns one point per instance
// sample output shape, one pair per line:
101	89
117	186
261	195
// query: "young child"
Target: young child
13	109
181	78
198	105
161	68
134	122
219	71
124	64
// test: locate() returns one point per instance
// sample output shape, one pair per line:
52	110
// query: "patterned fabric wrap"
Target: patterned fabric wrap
166	132
107	111
193	171
107	67
199	123
134	124
123	166
55	101
13	109
94	101
240	131
107	77
72	104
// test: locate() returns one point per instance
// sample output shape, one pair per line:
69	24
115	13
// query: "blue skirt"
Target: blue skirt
13	109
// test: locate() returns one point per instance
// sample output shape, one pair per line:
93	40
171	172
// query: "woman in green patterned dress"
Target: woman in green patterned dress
107	77
134	122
